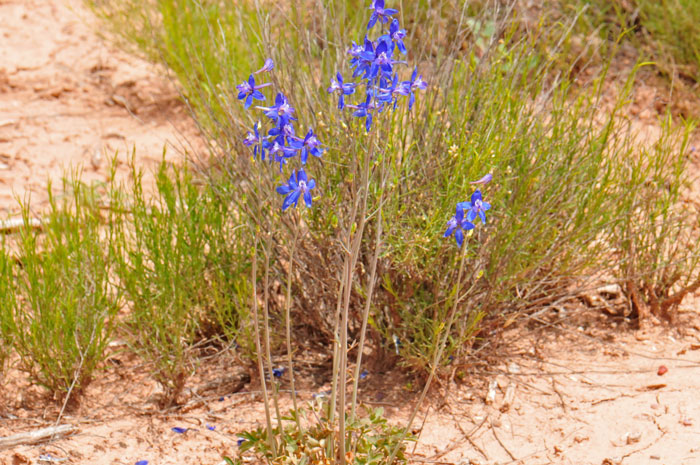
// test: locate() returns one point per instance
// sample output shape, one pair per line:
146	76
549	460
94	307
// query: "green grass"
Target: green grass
60	313
7	302
664	31
178	260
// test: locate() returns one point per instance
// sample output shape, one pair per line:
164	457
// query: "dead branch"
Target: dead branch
37	436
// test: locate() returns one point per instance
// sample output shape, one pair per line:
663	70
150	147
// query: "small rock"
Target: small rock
491	394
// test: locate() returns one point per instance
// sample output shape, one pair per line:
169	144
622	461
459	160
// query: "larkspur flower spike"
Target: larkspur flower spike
375	65
281	143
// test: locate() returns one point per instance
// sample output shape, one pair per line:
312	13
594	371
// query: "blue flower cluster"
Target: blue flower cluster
281	142
466	213
375	65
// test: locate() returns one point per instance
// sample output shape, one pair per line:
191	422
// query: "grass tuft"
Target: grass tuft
61	311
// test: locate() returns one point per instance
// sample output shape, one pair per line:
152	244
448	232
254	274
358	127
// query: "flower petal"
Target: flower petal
291	199
459	237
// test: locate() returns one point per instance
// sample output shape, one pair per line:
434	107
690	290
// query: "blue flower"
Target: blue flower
267	66
388	92
458	224
249	91
382	60
240	441
309	145
278	372
409	87
142	462
253	138
281	111
297	186
278	151
363	61
364	374
485	180
343	89
179	430
397	35
365	110
211	428
379	13
477	206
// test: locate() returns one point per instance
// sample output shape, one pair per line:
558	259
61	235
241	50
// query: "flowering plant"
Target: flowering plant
375	86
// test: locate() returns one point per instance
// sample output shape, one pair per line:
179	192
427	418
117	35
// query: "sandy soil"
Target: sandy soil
574	388
68	101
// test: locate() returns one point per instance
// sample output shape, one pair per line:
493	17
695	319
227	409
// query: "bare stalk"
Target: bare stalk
336	360
266	328
287	323
437	356
258	350
350	261
368	294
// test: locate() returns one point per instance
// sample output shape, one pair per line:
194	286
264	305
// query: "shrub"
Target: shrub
495	104
180	265
64	311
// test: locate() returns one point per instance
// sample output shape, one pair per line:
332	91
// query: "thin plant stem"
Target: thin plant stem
369	293
336	360
266	328
351	260
258	350
288	325
436	357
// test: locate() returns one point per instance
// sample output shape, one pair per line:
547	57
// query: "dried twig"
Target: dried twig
493	430
37	436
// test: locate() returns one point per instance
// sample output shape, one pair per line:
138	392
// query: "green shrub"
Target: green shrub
64	311
7	304
495	103
181	268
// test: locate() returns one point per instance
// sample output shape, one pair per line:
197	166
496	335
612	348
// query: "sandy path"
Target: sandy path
67	99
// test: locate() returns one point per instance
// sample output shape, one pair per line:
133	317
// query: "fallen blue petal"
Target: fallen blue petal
221	399
211	428
142	462
364	374
179	430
